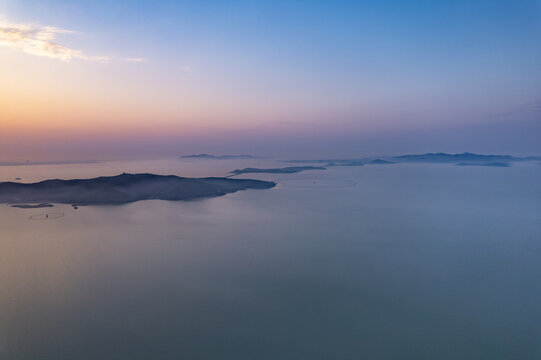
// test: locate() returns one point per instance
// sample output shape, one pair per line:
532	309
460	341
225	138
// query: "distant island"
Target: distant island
464	157
493	164
285	170
123	188
380	162
31	206
218	157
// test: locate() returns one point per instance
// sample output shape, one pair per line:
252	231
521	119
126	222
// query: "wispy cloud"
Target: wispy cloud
136	60
41	41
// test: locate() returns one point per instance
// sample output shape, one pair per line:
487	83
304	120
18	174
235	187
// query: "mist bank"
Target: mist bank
218	157
491	164
28	162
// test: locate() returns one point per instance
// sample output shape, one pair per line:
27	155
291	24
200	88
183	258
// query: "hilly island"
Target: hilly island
123	188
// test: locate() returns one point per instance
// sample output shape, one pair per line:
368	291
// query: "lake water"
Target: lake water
404	261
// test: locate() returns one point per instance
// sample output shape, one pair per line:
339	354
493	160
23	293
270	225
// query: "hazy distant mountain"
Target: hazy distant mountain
123	188
286	170
454	158
218	157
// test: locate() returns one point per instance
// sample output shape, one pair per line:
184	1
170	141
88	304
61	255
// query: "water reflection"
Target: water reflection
435	262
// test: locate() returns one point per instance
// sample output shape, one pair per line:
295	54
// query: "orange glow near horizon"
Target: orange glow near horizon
77	99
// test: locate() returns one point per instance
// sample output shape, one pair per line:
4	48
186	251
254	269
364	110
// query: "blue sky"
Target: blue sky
362	67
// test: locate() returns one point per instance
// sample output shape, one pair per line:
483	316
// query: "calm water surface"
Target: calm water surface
374	262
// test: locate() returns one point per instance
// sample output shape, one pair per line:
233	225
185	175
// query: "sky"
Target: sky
138	79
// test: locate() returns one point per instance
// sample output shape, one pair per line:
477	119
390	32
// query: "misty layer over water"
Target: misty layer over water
401	261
